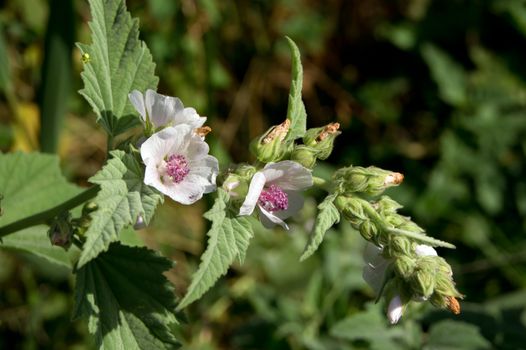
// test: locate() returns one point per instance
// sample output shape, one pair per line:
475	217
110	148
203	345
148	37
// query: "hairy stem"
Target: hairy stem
46	215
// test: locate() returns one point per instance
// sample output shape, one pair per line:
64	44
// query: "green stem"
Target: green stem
46	215
319	182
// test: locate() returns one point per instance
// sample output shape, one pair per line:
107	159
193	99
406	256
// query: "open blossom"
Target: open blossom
178	164
162	111
275	191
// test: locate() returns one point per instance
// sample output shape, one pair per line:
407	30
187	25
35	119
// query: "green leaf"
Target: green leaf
118	63
128	301
452	335
296	109
228	238
371	326
448	74
35	240
122	198
31	183
327	217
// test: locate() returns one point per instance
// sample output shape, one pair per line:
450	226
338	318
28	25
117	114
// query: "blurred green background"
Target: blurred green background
433	89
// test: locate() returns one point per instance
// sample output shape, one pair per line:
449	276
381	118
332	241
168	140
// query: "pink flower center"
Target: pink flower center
177	167
273	198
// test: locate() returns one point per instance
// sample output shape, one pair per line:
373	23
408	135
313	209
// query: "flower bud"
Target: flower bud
236	186
351	208
371	181
322	139
304	155
386	206
61	231
399	246
89	207
270	147
368	230
404	266
423	282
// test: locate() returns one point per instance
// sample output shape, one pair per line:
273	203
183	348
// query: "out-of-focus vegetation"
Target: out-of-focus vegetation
433	89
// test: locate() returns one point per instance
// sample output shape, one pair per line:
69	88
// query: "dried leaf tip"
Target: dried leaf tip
280	131
329	129
453	305
203	131
394	179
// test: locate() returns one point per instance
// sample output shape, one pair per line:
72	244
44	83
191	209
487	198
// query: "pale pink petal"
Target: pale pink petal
254	191
189	116
425	250
395	309
137	100
288	175
375	267
295	204
161	108
269	220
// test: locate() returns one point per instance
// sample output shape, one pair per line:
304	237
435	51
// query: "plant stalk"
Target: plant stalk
46	215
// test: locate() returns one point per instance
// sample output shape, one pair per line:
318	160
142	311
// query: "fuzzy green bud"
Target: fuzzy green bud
423	282
351	208
368	230
304	155
322	139
371	180
89	207
61	231
399	246
404	266
386	206
270	147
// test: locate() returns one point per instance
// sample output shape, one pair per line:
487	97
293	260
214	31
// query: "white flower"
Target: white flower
395	309
178	164
162	111
275	190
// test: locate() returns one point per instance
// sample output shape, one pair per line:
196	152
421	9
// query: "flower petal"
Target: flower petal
167	141
288	175
186	192
161	108
254	191
137	100
269	220
189	116
375	267
295	204
395	309
425	250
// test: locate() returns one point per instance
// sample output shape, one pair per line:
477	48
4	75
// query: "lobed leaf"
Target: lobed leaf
228	238
327	217
122	198
296	109
118	63
128	301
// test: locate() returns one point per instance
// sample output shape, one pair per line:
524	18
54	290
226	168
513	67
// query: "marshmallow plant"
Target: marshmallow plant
121	289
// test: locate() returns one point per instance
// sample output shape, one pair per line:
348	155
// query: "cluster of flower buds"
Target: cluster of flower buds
399	265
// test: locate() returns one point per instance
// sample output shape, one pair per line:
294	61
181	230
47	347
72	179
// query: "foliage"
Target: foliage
416	88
